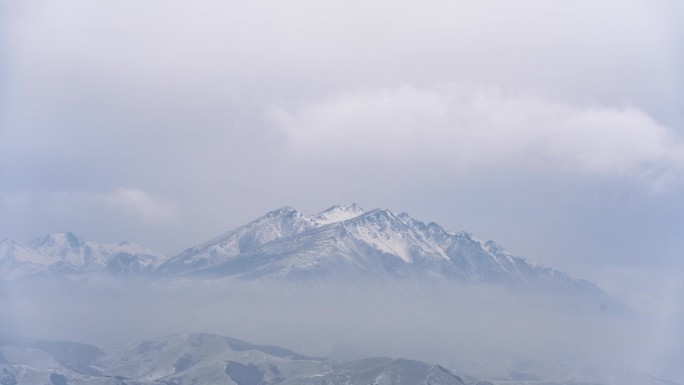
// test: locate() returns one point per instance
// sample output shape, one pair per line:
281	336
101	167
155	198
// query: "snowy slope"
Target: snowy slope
336	214
346	242
341	242
66	254
275	225
279	224
17	259
69	249
75	255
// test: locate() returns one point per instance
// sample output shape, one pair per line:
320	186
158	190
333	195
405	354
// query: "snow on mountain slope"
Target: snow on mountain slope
386	371
342	241
336	214
374	243
274	225
76	256
278	224
17	259
17	252
69	249
67	254
203	359
348	242
74	253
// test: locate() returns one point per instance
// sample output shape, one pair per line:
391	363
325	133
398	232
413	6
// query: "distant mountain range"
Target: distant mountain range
201	359
65	254
342	242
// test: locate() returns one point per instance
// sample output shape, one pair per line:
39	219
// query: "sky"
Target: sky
553	128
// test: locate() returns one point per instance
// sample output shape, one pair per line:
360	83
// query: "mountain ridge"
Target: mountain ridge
202	358
67	254
375	243
342	242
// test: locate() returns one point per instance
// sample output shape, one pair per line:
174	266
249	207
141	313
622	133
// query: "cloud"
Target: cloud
131	214
149	208
483	127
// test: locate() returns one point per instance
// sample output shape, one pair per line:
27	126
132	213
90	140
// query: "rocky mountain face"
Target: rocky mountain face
202	359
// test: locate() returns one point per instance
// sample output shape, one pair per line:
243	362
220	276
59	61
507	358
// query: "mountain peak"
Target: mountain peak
68	247
282	212
74	253
15	252
9	244
72	238
352	208
336	214
65	238
380	214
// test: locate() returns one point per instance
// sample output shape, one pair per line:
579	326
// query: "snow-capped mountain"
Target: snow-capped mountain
336	214
345	241
76	255
276	225
341	242
202	359
18	259
69	250
67	254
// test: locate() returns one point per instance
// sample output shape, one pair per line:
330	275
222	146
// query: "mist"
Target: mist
483	330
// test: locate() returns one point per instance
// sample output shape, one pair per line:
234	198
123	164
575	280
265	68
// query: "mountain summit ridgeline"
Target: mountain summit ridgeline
341	243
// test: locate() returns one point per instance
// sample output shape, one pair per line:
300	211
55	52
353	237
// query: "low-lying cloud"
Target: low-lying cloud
484	127
148	208
485	330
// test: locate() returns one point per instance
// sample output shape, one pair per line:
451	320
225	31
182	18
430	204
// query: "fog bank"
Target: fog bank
477	328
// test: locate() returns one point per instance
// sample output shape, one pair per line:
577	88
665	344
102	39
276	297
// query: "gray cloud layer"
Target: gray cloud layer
484	129
483	330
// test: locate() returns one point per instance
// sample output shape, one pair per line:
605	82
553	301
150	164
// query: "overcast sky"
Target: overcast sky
553	128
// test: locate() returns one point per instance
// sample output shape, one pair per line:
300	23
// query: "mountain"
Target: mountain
70	250
278	224
342	242
346	242
77	256
18	259
202	359
66	254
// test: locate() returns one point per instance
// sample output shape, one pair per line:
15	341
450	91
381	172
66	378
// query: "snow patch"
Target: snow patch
336	214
